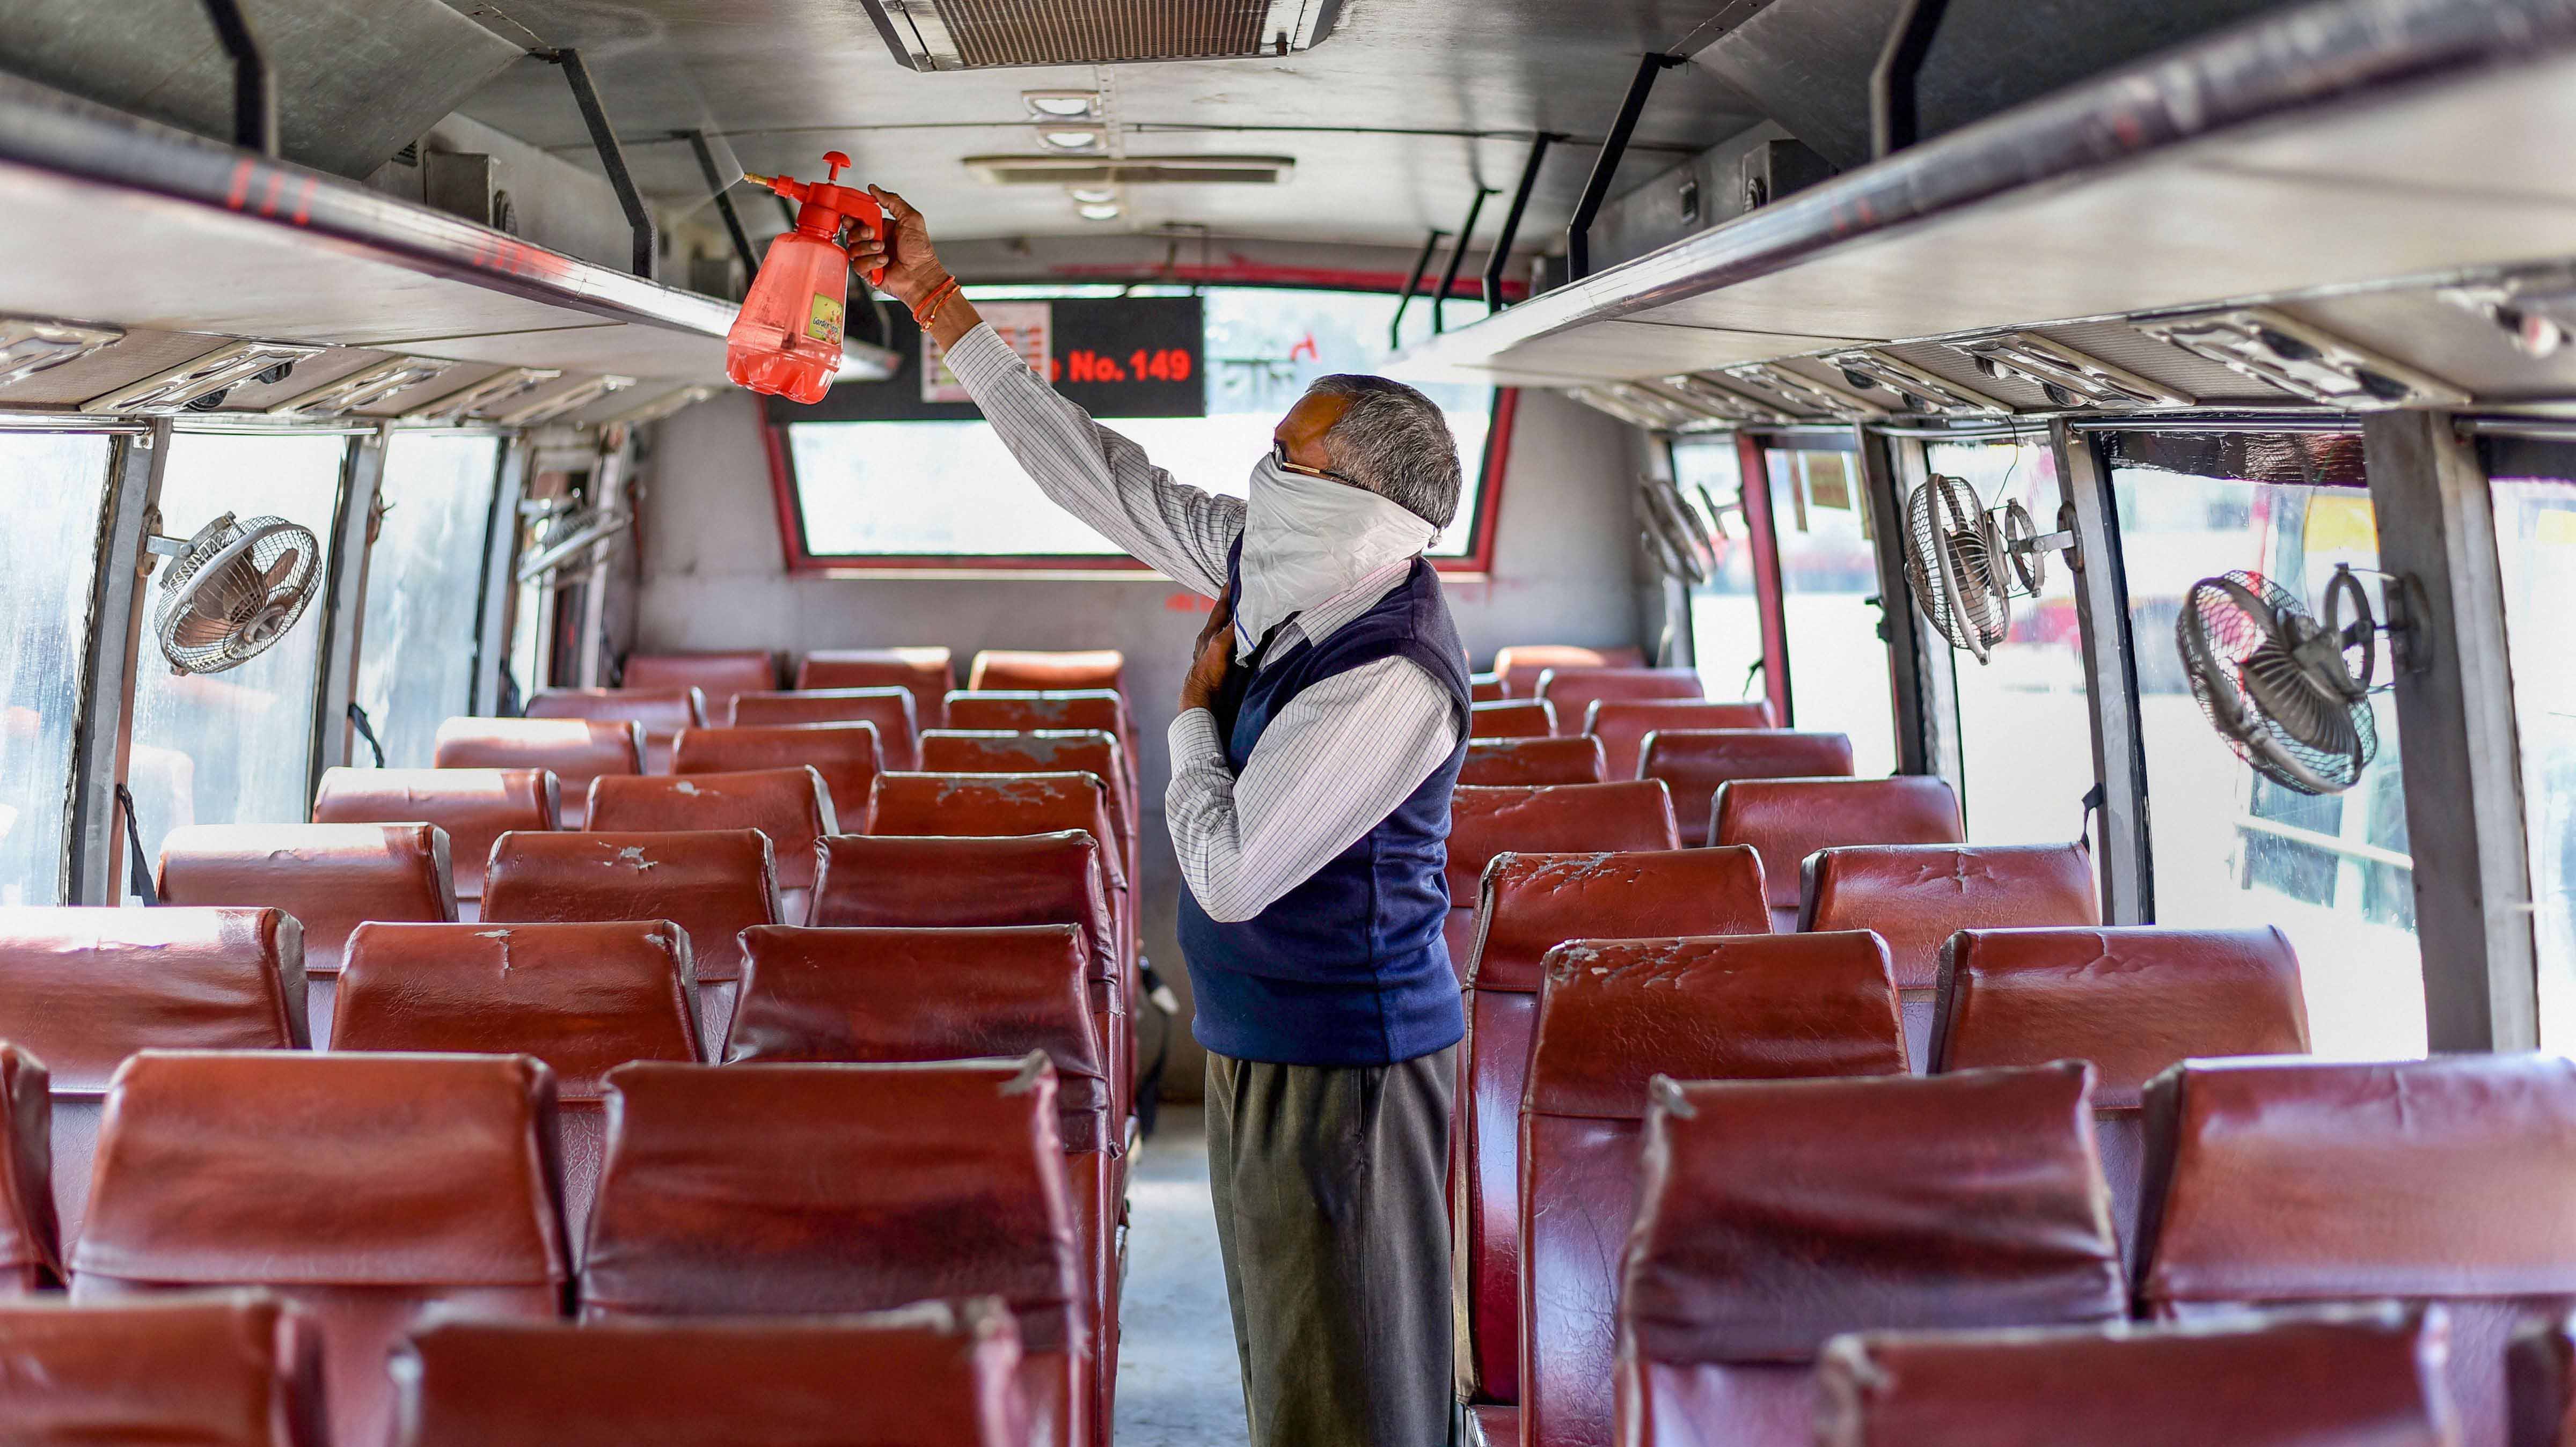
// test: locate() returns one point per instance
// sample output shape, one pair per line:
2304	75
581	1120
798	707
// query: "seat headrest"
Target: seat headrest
1918	895
1710	757
331	877
933	1372
891	709
30	1241
85	988
1022	751
474	806
846	755
1789	819
583	998
1515	718
2132	1000
712	883
1776	1214
2248	1383
279	1167
1533	761
991	804
2290	1180
925	673
1001	668
888	996
1528	904
1016	709
717	676
1574	690
892	881
577	750
661	711
1558	819
1616	1013
215	1369
1521	664
790	805
791	1190
1634	718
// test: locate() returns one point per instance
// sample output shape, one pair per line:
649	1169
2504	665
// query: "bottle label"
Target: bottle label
823	321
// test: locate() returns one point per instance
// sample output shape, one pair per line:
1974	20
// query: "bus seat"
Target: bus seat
84	988
1000	804
845	754
2540	1382
1694	762
791	806
474	806
1918	895
925	673
712	883
1574	690
2373	1377
999	751
1486	820
1785	820
576	750
934	1374
1520	665
1022	711
1621	724
797	1190
716	676
660	712
228	1369
31	1252
1529	904
1002	670
1485	688
583	998
331	877
1518	718
2288	1182
1773	1216
370	1190
1613	1014
890	709
2132	1000
1532	761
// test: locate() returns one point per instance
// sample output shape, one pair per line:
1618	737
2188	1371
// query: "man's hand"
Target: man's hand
1215	657
903	248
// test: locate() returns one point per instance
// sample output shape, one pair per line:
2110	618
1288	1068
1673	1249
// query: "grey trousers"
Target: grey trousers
1328	1184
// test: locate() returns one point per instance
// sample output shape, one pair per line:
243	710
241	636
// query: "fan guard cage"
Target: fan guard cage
1953	565
236	589
2276	685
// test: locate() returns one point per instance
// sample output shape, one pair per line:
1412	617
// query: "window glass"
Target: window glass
894	489
2231	848
2025	733
56	485
234	747
1838	678
1726	616
424	574
2536	544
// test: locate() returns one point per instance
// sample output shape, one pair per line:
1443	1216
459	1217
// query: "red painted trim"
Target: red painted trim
1489	492
782	491
1755	470
1240	271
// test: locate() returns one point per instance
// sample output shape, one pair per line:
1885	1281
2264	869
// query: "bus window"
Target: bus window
2536	545
2228	847
57	485
424	575
1726	617
234	747
1828	578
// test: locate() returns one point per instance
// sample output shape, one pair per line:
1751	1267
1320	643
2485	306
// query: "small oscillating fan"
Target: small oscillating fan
1954	564
232	591
2288	692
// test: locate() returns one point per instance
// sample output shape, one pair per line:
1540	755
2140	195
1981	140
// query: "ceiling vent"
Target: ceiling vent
991	34
1132	170
2264	346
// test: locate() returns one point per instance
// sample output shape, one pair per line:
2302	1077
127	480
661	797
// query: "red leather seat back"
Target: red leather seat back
84	988
1623	723
660	712
1485	688
1785	820
936	1374
989	805
1038	751
1774	1216
1521	664
1918	895
845	754
365	1188
474	806
1573	690
791	806
31	1254
1002	669
1532	761
1552	819
925	673
1519	718
713	884
576	751
2540	1382
2133	1001
1694	763
890	709
716	676
2374	1378
2291	1181
1530	904
1613	1014
232	1369
1026	711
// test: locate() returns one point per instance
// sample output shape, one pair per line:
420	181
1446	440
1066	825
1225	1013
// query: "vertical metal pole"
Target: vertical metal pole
1899	626
2464	817
1457	254
612	157
103	731
1412	284
1578	232
254	94
1756	497
492	604
1502	253
609	494
720	186
344	605
2110	676
1895	112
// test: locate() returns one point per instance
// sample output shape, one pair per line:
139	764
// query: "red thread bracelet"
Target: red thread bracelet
930	305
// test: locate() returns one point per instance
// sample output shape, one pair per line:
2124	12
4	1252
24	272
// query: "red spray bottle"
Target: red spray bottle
787	340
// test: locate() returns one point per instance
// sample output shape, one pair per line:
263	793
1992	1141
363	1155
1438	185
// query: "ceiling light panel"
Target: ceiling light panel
1061	104
1101	172
991	34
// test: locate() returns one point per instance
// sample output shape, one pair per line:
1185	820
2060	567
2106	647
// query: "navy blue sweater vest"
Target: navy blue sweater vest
1348	968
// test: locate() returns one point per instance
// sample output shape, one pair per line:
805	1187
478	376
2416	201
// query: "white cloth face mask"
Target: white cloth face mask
1307	540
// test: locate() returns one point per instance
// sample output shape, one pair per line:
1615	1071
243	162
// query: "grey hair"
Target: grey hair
1393	441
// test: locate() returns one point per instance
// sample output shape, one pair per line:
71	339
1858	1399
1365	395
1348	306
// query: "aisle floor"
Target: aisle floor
1179	1384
